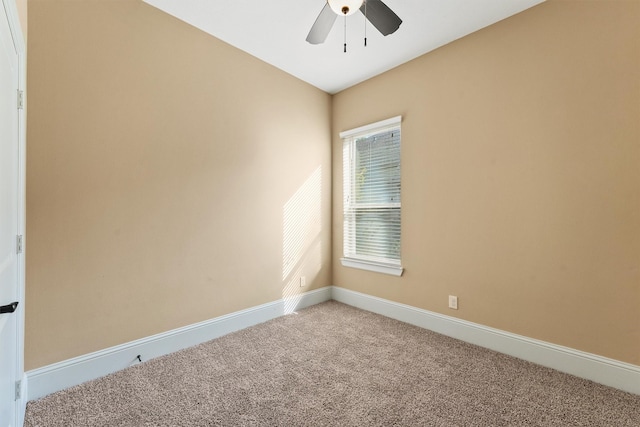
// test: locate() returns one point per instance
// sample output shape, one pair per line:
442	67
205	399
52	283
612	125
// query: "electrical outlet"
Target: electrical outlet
453	302
303	281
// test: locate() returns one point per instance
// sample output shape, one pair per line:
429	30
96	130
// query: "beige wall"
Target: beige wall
521	176
171	178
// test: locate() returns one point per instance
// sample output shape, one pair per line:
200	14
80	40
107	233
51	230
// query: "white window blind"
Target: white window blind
372	209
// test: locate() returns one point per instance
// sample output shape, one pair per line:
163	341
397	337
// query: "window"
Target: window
371	179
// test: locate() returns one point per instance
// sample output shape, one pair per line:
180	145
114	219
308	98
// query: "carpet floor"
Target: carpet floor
335	365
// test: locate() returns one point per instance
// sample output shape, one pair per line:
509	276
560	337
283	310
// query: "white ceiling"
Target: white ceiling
275	32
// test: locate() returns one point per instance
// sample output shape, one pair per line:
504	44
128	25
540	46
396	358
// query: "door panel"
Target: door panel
8	219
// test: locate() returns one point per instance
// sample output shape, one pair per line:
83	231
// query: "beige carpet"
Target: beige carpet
334	365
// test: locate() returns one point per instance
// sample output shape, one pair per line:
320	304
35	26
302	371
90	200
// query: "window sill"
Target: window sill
377	267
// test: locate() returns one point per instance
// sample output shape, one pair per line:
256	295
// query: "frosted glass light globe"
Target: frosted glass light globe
340	6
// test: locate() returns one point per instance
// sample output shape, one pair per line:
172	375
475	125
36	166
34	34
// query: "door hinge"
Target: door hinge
20	99
18	390
19	244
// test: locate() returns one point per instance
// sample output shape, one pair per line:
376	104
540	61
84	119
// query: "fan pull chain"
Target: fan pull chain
365	23
345	33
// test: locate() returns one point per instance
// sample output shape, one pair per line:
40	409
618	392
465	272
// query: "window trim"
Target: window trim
373	126
377	267
394	269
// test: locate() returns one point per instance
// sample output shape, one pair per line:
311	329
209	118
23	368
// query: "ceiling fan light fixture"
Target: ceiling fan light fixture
345	7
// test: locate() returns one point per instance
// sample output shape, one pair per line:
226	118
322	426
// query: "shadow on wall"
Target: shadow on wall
301	241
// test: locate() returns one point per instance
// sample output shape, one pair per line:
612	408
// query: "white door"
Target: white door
9	286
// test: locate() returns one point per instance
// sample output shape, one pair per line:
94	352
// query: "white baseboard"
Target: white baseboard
58	376
610	372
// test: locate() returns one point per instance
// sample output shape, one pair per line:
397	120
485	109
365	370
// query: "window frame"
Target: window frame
350	259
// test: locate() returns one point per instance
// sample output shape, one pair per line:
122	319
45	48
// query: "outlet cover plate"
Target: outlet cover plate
453	302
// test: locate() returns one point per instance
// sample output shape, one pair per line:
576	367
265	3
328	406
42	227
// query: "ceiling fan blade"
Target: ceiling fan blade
380	16
322	26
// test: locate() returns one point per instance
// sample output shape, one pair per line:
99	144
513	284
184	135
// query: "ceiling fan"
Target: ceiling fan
375	11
